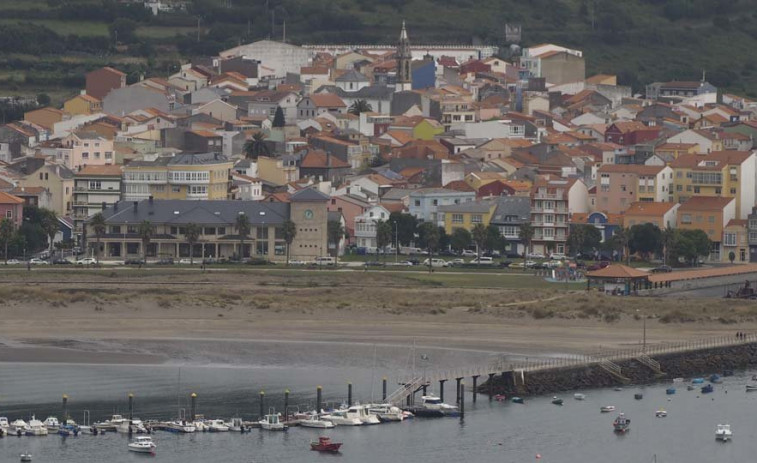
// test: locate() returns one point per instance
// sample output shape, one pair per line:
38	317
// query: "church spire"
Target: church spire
404	58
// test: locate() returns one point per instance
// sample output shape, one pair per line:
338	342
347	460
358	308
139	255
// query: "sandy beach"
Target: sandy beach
88	317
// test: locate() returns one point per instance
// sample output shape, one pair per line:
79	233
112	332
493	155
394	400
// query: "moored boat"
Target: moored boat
723	432
661	413
579	396
142	444
272	422
52	423
324	444
182	427
716	379
607	409
432	407
26	457
621	424
236	425
707	389
314	421
342	418
638	396
751	387
697	381
517	400
670	391
557	401
386	412
217	426
36	428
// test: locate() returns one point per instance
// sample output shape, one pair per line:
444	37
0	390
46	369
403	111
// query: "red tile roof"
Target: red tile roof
328	100
6	198
318	159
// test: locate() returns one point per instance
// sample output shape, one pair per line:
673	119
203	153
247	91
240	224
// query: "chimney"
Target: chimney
136	204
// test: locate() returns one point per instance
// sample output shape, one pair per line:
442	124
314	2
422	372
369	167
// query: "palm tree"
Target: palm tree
621	238
335	233
526	234
192	236
668	241
97	222
6	234
255	146
383	236
289	232
145	234
243	229
479	235
360	106
50	225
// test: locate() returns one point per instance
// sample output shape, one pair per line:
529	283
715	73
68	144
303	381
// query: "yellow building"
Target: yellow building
478	179
83	104
278	171
57	180
727	174
674	150
184	176
427	129
468	214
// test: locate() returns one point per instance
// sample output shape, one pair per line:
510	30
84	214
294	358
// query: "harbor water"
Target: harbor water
490	431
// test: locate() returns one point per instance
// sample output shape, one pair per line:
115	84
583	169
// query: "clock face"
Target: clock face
308	214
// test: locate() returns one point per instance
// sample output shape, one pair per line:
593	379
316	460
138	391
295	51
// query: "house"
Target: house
46	117
203	176
56	179
318	104
246	188
218	109
707	141
95	188
83	104
607	224
351	153
735	241
479	179
280	170
425	202
679	89
663	215
11	208
620	185
557	65
630	133
512	212
122	101
16	140
466	214
266	102
217	220
102	81
202	141
365	227
552	202
322	166
674	150
728	174
709	214
84	148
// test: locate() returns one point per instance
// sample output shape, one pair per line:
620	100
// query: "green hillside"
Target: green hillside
47	45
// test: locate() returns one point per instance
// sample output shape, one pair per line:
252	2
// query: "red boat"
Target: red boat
324	444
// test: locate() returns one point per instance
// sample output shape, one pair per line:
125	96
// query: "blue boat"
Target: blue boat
707	389
716	379
517	400
670	391
697	381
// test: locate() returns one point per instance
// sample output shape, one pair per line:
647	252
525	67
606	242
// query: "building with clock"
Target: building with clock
219	226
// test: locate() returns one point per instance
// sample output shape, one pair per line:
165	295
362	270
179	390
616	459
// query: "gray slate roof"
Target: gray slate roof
309	195
352	76
519	206
182	212
373	92
480	206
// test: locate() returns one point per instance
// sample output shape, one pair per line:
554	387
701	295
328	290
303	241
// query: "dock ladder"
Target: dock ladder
614	370
651	363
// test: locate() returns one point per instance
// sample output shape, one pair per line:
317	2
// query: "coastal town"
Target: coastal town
275	153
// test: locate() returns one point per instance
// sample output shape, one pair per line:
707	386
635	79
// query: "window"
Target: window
262	234
115	229
261	248
686	218
711	219
132	248
729	239
176	189
9	214
209	231
221	230
435	202
696	190
733	191
417	202
85	155
457	218
623	188
679	187
174	230
742	255
95	185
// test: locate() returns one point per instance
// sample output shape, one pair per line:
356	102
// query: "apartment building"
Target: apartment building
622	184
95	188
552	202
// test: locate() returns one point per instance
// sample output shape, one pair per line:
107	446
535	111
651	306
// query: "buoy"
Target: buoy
538	456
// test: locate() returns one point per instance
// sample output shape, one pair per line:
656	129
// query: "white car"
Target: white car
435	262
468	253
535	255
189	261
455	262
297	262
405	263
482	261
13	262
87	261
38	261
557	256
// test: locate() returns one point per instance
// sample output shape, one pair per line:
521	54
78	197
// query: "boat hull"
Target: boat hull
333	447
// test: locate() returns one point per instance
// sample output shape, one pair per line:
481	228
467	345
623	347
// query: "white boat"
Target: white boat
142	444
52	423
184	427
314	421
36	428
343	417
200	425
19	427
217	426
133	426
386	412
723	432
26	456
236	425
661	413
579	396
272	422
678	380
432	406
365	416
607	409
4	426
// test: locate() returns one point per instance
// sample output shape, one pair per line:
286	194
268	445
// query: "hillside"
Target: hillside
47	45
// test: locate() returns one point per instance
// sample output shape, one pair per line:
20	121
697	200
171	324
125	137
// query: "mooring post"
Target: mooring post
65	408
131	406
383	389
349	394
193	406
318	397
475	390
262	404
424	387
457	399
286	404
462	399
441	389
491	386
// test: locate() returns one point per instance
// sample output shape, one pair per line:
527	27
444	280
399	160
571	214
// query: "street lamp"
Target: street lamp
644	331
396	242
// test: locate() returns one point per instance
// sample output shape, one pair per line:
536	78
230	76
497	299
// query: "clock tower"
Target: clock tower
308	209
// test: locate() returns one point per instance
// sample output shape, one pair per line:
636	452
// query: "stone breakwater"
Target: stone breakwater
694	363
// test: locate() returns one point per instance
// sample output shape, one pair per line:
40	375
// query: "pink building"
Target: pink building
350	207
86	149
11	207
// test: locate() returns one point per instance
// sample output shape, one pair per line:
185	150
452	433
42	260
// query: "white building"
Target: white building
365	227
280	57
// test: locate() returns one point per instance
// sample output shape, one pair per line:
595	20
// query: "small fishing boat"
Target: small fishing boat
579	396
557	401
690	387
621	424
517	400
51	423
723	432
314	421
143	444
697	381
661	413
182	427
751	387
342	418
707	389
678	380
217	426
433	407
670	391
638	396
607	409
386	412
324	444
272	422
236	425
36	428
26	457
716	379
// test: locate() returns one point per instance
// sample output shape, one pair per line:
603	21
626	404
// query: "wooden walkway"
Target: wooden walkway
683	275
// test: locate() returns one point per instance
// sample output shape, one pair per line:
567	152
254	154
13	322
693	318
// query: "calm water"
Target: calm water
490	432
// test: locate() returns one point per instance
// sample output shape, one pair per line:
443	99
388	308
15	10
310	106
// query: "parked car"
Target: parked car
320	261
506	264
662	269
86	261
513	255
38	261
165	261
482	261
405	263
62	261
374	263
531	264
10	262
435	262
455	262
134	262
535	255
557	256
517	265
297	262
188	261
468	253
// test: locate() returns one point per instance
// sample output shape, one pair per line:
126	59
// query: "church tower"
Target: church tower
404	58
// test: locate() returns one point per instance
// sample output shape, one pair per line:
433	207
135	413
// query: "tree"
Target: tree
97	224
383	236
278	118
50	225
732	256
583	238
335	233
460	239
620	243
255	146
407	226
122	30
145	232
289	232
360	106
243	230
43	99
192	236
6	235
645	239
526	234
668	242
479	237
428	237
494	239
691	245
